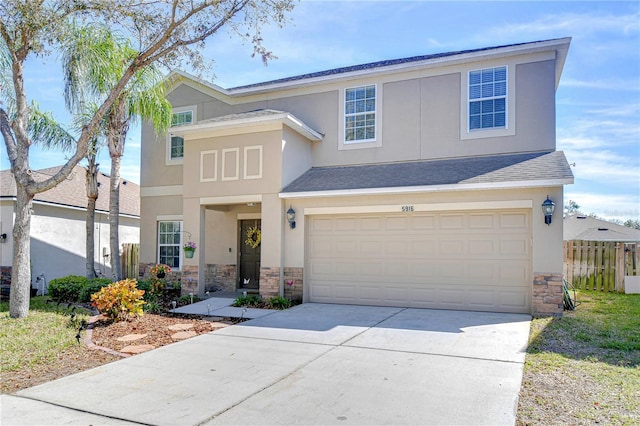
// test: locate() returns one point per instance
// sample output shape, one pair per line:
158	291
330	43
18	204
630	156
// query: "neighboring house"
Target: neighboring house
601	255
415	182
586	228
58	227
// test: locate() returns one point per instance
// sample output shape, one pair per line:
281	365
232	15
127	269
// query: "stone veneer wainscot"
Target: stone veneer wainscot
548	295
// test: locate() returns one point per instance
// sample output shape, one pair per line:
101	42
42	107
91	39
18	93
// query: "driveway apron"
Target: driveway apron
311	364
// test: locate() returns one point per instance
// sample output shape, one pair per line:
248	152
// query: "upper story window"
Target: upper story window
488	98
177	147
181	116
360	114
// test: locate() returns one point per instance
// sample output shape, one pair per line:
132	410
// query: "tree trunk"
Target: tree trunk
92	196
114	218
118	127
21	270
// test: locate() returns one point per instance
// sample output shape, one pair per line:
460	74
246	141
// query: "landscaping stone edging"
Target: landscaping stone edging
89	343
89	335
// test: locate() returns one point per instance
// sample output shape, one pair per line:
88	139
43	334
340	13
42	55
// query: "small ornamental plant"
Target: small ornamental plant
159	268
120	300
190	246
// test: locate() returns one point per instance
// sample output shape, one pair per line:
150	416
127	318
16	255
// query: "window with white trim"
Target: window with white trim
488	98
360	114
177	147
169	242
181	117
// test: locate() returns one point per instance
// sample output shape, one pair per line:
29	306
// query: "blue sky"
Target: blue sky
598	101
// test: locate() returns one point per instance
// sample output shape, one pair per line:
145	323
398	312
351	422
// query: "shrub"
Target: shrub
279	303
152	303
119	300
186	299
248	301
67	289
92	286
144	285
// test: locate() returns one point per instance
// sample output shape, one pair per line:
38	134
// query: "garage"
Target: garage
469	260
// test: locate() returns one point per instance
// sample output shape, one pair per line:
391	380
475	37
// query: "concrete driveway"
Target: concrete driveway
311	364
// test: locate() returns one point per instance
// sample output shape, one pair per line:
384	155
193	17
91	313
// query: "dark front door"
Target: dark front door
249	257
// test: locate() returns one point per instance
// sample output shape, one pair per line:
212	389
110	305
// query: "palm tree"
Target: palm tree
93	65
143	98
50	135
91	186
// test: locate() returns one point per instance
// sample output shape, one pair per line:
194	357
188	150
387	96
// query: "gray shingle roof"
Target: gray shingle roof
378	64
580	227
243	116
72	191
487	169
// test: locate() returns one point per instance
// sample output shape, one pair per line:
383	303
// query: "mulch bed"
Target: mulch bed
104	347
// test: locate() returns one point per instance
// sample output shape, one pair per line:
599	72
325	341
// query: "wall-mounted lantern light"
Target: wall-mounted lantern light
548	207
3	238
291	217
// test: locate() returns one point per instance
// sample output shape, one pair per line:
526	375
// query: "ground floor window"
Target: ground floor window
169	234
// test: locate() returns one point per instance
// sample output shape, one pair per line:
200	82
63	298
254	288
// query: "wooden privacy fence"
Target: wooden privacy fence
600	265
130	259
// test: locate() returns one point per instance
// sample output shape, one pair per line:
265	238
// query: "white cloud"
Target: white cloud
569	143
603	84
608	206
605	166
575	24
130	172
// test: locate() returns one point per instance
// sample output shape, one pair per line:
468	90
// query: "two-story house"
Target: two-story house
415	182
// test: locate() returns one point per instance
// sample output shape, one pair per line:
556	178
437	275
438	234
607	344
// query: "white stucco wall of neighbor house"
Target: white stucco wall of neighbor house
58	241
6	227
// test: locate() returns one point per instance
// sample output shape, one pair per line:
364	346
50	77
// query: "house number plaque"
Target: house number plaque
407	208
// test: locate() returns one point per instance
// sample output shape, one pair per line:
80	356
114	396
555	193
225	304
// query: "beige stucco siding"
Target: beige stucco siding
440	116
536	106
221	235
296	155
230	164
153	154
317	110
272	230
400	122
422	115
151	209
184	95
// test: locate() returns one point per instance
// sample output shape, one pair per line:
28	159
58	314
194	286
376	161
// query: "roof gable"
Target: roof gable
245	120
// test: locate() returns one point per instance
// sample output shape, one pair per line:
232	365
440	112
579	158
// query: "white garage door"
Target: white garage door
478	260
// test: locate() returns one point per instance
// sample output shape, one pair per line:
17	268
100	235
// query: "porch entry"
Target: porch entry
248	256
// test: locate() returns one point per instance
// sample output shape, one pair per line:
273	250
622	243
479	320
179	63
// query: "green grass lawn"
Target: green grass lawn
584	367
39	338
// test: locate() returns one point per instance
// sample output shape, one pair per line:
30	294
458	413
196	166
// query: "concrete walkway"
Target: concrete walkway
311	364
221	307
